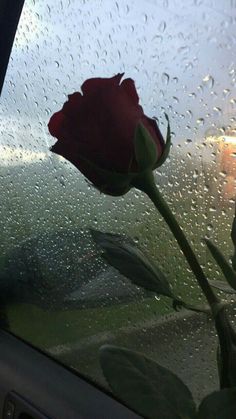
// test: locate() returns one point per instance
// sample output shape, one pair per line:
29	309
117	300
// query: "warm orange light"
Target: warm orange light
228	138
226	164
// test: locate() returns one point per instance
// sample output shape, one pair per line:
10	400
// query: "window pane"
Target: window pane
58	292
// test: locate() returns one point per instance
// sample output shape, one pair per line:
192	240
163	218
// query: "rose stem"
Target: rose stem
146	183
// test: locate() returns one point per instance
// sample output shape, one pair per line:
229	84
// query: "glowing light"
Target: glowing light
225	147
229	138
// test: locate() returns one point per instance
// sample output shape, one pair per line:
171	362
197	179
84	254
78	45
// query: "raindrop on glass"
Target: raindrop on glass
165	78
208	81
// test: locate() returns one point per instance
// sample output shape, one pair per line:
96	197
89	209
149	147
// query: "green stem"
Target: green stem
146	183
227	339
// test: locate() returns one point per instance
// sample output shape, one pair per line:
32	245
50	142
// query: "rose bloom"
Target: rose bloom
96	131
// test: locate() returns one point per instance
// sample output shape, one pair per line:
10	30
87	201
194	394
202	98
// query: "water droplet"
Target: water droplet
208	81
232	72
195	174
62	180
209	227
157	39
226	92
233	102
145	18
217	110
175	99
165	78
200	121
162	26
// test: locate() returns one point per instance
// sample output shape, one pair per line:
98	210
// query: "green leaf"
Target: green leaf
145	148
233	237
222	286
124	255
225	267
166	151
219	405
146	387
220	365
178	304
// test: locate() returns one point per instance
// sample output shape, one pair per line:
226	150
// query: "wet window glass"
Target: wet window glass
56	291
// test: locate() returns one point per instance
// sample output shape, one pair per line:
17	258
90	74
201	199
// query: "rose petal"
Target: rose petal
72	106
129	87
96	130
71	152
92	85
56	123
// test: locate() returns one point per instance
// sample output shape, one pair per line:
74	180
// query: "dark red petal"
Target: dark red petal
62	148
92	85
71	152
56	123
73	104
129	87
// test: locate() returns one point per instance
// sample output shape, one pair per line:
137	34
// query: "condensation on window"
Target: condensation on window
58	293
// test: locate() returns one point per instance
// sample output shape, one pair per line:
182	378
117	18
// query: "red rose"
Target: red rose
96	132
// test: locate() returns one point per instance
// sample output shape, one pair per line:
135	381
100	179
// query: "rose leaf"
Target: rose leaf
219	405
222	286
225	267
124	255
146	387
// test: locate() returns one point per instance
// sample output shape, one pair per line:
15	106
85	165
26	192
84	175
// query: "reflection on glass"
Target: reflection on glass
225	148
227	153
182	58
